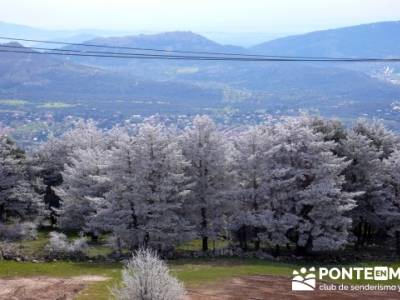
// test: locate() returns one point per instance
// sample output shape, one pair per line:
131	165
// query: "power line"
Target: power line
306	58
199	58
146	56
130	48
226	57
135	55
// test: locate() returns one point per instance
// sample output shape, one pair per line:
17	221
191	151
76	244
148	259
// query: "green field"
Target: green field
191	272
56	105
13	102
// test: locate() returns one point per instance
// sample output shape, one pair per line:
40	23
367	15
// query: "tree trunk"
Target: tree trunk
305	250
257	244
119	246
369	234
53	219
2	213
277	251
204	228
243	238
94	237
398	242
146	239
205	243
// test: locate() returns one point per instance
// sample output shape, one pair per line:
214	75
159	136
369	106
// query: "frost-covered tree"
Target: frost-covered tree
248	161
84	178
367	144
82	175
147	277
389	210
144	205
306	202
60	245
384	140
51	157
206	149
331	129
18	197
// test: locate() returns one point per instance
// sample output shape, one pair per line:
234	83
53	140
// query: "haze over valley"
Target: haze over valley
42	90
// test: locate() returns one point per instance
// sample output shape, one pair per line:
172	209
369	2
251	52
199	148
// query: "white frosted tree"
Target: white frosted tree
206	149
144	205
248	161
384	140
147	277
51	157
390	210
84	180
18	198
82	175
367	145
307	204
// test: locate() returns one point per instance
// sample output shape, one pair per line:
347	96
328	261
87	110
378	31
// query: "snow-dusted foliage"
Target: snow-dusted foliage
18	198
303	181
148	189
60	245
248	160
389	211
17	232
206	150
304	202
147	277
366	146
83	176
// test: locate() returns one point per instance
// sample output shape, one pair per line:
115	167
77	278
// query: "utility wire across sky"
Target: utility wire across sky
146	53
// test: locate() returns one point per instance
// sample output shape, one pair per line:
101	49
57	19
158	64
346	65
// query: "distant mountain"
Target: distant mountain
111	85
369	40
75	36
155	69
41	78
305	82
176	40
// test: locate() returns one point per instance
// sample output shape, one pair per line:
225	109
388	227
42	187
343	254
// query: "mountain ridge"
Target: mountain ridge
380	39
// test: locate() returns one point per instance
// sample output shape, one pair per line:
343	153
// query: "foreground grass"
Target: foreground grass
193	272
10	269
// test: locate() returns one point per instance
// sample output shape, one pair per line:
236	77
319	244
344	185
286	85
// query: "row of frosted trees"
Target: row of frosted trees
306	182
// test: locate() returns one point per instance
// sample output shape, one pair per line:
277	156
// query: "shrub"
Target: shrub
60	245
17	232
147	277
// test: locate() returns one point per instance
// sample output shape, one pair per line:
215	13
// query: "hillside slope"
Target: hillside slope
367	40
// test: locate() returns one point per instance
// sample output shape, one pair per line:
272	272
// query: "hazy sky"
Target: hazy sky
198	15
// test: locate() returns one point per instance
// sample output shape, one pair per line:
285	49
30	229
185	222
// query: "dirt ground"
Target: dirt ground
275	288
44	288
242	288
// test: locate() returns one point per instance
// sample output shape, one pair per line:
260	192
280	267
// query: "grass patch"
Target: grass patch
196	245
99	290
56	105
13	102
193	272
36	246
98	250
